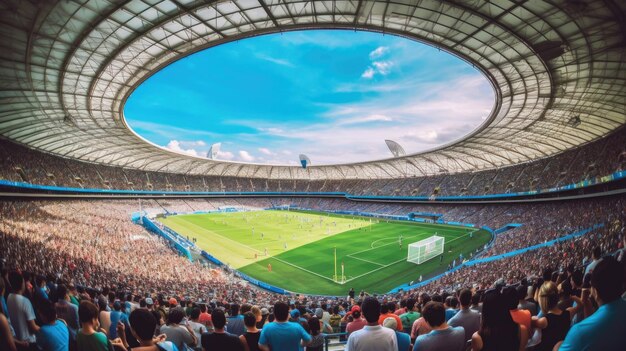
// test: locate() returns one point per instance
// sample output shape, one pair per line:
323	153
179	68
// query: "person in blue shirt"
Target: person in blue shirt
605	329
403	339
281	334
53	334
117	316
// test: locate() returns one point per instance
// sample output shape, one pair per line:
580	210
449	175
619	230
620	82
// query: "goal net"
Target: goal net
424	250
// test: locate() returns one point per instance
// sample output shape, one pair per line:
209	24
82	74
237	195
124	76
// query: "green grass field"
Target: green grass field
300	246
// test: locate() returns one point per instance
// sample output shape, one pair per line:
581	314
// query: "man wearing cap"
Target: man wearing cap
373	337
357	322
149	303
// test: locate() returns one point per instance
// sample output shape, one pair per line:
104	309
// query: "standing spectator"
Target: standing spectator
53	334
386	312
373	337
522	317
104	315
498	331
142	327
234	322
466	317
596	255
117	316
604	329
442	337
21	313
250	339
282	334
555	323
451	304
523	304
177	333
220	339
403	339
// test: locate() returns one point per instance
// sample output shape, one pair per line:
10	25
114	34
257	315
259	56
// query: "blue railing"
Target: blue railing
149	225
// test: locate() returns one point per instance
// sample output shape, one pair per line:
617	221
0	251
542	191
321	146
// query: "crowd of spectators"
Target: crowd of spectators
86	263
18	163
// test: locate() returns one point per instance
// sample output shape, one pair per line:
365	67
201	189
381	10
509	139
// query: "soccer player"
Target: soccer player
269	267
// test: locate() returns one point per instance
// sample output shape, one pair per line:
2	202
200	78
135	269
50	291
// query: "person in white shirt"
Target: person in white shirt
21	312
373	337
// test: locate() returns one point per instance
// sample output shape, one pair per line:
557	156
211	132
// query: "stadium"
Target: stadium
506	235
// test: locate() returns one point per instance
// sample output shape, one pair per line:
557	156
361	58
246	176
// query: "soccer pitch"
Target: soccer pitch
300	247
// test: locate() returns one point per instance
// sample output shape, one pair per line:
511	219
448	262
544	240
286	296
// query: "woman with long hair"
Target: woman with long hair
498	331
554	323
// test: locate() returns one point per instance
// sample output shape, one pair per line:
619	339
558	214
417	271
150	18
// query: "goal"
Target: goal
424	250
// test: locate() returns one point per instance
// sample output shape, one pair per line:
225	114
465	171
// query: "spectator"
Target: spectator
410	316
498	331
197	327
373	337
317	339
21	313
554	323
142	327
357	321
7	342
524	304
88	337
117	316
521	317
604	329
596	255
67	311
387	311
442	337
104	315
335	320
180	335
403	339
282	334
466	317
220	339
250	339
451	305
234	323
53	334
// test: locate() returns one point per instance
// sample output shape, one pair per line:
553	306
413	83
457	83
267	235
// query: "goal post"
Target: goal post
424	250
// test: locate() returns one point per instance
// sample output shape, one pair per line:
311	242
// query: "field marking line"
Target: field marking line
227	238
364	260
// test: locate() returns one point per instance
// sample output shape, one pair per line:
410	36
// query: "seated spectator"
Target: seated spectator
67	311
21	312
442	337
53	334
142	327
358	322
604	329
220	339
466	317
523	304
554	323
180	335
373	337
387	310
403	339
234	322
250	339
282	334
317	339
88	337
410	316
498	331
195	325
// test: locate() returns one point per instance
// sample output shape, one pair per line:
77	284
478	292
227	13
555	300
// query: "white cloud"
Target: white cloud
380	51
178	146
382	67
275	60
225	155
364	119
245	156
368	73
265	151
271	130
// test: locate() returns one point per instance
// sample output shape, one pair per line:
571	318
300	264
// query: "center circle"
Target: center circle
333	95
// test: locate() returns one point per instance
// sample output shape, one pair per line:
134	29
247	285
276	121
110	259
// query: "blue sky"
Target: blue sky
331	94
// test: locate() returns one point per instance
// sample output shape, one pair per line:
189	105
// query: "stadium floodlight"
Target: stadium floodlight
395	148
424	250
305	161
214	150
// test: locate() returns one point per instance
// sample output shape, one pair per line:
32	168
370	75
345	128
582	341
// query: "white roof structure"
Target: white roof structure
68	66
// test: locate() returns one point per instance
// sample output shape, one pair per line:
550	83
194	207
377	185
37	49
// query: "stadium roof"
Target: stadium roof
67	67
